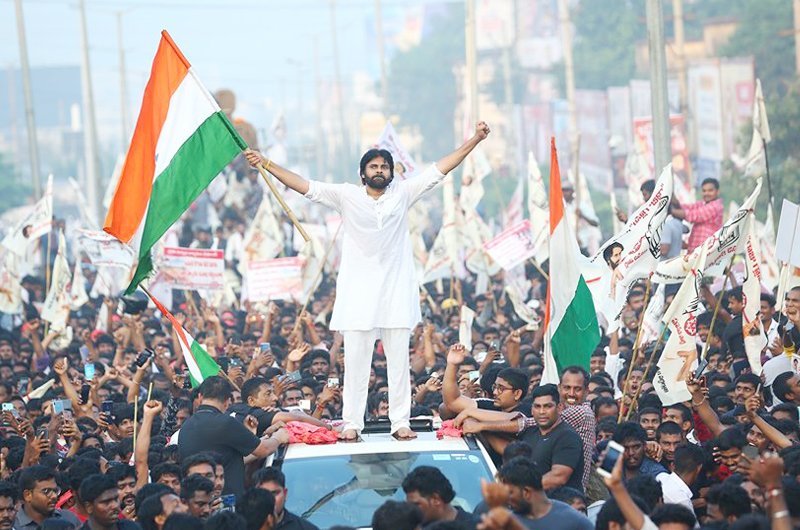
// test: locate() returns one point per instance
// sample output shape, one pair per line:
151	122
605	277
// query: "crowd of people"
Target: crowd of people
107	432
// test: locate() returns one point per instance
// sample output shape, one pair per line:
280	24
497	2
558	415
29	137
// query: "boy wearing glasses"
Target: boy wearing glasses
39	490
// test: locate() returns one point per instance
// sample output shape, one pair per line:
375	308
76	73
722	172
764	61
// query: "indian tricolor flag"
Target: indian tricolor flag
199	363
571	330
181	142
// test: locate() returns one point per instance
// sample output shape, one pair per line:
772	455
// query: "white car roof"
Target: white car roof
379	443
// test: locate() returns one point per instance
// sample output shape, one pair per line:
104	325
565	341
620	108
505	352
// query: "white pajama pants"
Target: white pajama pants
358	348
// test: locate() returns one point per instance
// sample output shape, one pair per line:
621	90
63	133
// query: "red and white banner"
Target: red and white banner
193	268
105	249
275	279
512	246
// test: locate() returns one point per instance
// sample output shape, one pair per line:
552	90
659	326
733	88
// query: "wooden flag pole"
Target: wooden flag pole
289	213
317	277
635	351
646	371
716	308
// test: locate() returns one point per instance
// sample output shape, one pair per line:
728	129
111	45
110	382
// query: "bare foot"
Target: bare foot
348	435
404	433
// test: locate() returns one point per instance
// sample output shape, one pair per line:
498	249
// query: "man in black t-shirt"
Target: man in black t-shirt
210	430
557	448
428	489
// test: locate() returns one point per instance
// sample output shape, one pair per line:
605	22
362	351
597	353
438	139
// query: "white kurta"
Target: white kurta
377	284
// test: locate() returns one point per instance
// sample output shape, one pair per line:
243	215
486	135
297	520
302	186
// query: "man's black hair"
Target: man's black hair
688	457
9	490
269	474
148	490
780	386
427	481
710	180
251	386
673	513
200	458
730	438
217	388
515	377
566	494
32	475
95	485
122	472
648	410
686	412
736	293
372	154
577	370
769	299
182	521
749	378
521	472
150	508
733	500
165	468
611	513
517	448
648	488
648	185
546	390
628	430
225	521
79	470
602	401
255	505
394	515
788	408
194	483
668	427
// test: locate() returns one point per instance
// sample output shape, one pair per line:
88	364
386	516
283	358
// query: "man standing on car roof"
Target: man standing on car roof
377	290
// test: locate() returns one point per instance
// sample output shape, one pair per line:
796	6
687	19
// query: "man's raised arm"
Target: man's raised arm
288	178
451	161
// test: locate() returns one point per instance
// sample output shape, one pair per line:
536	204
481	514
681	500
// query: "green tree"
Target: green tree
766	33
422	83
604	48
13	191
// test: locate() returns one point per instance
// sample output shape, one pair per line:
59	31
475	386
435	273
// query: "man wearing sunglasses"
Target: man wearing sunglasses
39	490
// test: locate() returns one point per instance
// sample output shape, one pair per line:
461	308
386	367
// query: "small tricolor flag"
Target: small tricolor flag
571	329
199	363
181	142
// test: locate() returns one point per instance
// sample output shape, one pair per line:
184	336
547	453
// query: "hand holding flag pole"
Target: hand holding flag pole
289	213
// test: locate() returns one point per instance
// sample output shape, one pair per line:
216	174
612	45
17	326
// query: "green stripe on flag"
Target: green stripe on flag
198	161
207	365
578	333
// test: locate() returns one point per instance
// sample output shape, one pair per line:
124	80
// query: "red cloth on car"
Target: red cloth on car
305	433
447	429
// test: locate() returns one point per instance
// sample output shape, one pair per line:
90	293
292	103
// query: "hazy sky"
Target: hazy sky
261	49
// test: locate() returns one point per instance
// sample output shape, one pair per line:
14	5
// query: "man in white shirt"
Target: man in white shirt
377	295
676	486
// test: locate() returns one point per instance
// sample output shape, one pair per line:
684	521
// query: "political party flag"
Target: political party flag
755	340
640	250
38	222
181	142
465	326
720	247
77	294
679	355
537	209
755	161
571	329
58	300
198	361
10	287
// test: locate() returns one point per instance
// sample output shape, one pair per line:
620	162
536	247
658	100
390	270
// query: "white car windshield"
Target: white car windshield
346	490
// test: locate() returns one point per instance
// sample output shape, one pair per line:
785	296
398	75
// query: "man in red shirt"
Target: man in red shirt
705	215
